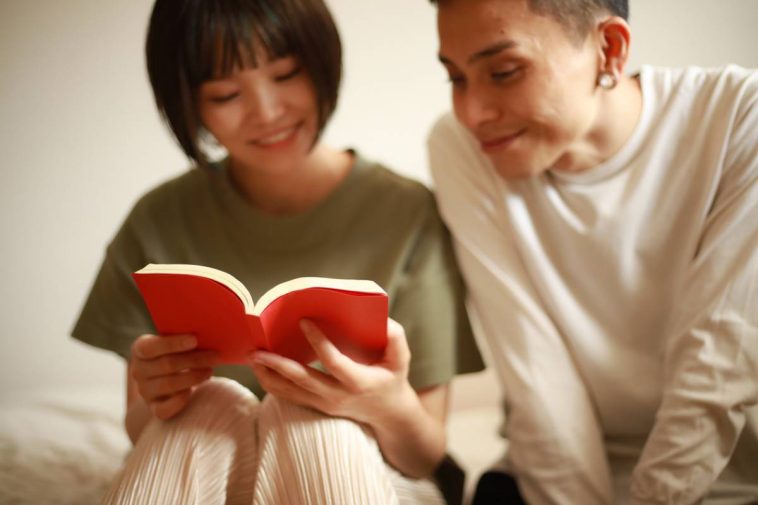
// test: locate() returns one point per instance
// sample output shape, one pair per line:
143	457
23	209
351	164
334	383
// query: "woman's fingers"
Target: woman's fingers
397	355
169	385
167	368
154	346
173	363
161	364
166	408
303	376
355	375
349	389
344	369
279	385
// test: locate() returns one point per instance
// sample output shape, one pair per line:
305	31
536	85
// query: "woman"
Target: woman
260	79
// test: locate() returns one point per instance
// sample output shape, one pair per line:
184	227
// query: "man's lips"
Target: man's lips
493	143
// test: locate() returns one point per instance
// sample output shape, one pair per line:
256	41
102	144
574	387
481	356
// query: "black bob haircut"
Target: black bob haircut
191	41
577	16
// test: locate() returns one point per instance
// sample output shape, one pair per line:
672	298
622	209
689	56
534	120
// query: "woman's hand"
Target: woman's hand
165	369
364	393
409	427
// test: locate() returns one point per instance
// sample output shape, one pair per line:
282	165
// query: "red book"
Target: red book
218	309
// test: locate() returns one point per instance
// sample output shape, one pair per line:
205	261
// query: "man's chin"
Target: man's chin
514	171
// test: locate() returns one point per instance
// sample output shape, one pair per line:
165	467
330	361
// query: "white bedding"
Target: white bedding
60	449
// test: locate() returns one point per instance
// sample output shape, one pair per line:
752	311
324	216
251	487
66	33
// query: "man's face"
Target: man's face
521	83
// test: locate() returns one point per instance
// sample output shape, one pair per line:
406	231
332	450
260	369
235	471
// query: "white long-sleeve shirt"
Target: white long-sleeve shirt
620	304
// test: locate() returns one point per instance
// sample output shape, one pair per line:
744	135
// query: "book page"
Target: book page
358	286
214	274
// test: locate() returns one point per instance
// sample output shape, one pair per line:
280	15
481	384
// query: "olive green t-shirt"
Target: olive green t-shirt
375	225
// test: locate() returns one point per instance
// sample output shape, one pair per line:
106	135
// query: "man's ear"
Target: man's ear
614	37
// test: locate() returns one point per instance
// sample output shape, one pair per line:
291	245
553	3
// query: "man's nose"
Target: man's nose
476	107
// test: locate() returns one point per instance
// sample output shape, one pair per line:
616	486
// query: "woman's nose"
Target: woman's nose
266	104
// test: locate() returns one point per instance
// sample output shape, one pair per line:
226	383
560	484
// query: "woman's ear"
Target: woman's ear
614	36
210	146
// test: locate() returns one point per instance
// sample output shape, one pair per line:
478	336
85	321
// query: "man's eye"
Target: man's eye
224	98
289	75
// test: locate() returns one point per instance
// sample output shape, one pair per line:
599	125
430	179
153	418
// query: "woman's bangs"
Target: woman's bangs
230	38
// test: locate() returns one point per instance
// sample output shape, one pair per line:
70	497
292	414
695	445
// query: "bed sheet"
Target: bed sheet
60	448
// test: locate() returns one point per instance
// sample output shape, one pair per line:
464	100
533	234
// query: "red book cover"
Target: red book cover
219	311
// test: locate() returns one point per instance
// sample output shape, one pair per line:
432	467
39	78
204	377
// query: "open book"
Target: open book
218	309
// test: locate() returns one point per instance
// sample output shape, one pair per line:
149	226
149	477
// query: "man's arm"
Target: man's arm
711	359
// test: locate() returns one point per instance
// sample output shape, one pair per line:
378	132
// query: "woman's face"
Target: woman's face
265	116
520	84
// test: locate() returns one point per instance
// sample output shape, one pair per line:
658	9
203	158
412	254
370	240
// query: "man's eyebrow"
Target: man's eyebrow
487	52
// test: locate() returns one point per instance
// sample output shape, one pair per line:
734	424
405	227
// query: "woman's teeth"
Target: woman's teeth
273	139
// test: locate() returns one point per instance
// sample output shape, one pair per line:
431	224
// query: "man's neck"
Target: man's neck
619	112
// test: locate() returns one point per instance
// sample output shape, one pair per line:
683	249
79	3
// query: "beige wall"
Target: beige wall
80	139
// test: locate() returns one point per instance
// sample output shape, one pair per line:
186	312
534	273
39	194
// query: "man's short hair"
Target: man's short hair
577	16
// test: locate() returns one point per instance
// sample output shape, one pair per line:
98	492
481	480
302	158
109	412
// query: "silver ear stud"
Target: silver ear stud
607	80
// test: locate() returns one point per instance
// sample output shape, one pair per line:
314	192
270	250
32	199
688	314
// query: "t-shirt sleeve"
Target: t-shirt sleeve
430	304
114	314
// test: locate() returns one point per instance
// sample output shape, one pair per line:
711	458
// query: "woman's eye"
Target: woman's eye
224	98
456	80
503	75
288	75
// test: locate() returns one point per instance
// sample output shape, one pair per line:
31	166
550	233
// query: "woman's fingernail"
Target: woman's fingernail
258	358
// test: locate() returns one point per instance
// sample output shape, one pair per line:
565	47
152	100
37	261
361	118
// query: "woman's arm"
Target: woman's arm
414	439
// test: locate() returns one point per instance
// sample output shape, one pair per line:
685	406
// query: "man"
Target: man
607	228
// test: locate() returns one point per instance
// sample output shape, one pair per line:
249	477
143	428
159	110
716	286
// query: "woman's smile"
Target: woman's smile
278	139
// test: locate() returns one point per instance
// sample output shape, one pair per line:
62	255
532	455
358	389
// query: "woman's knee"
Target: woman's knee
284	421
216	405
